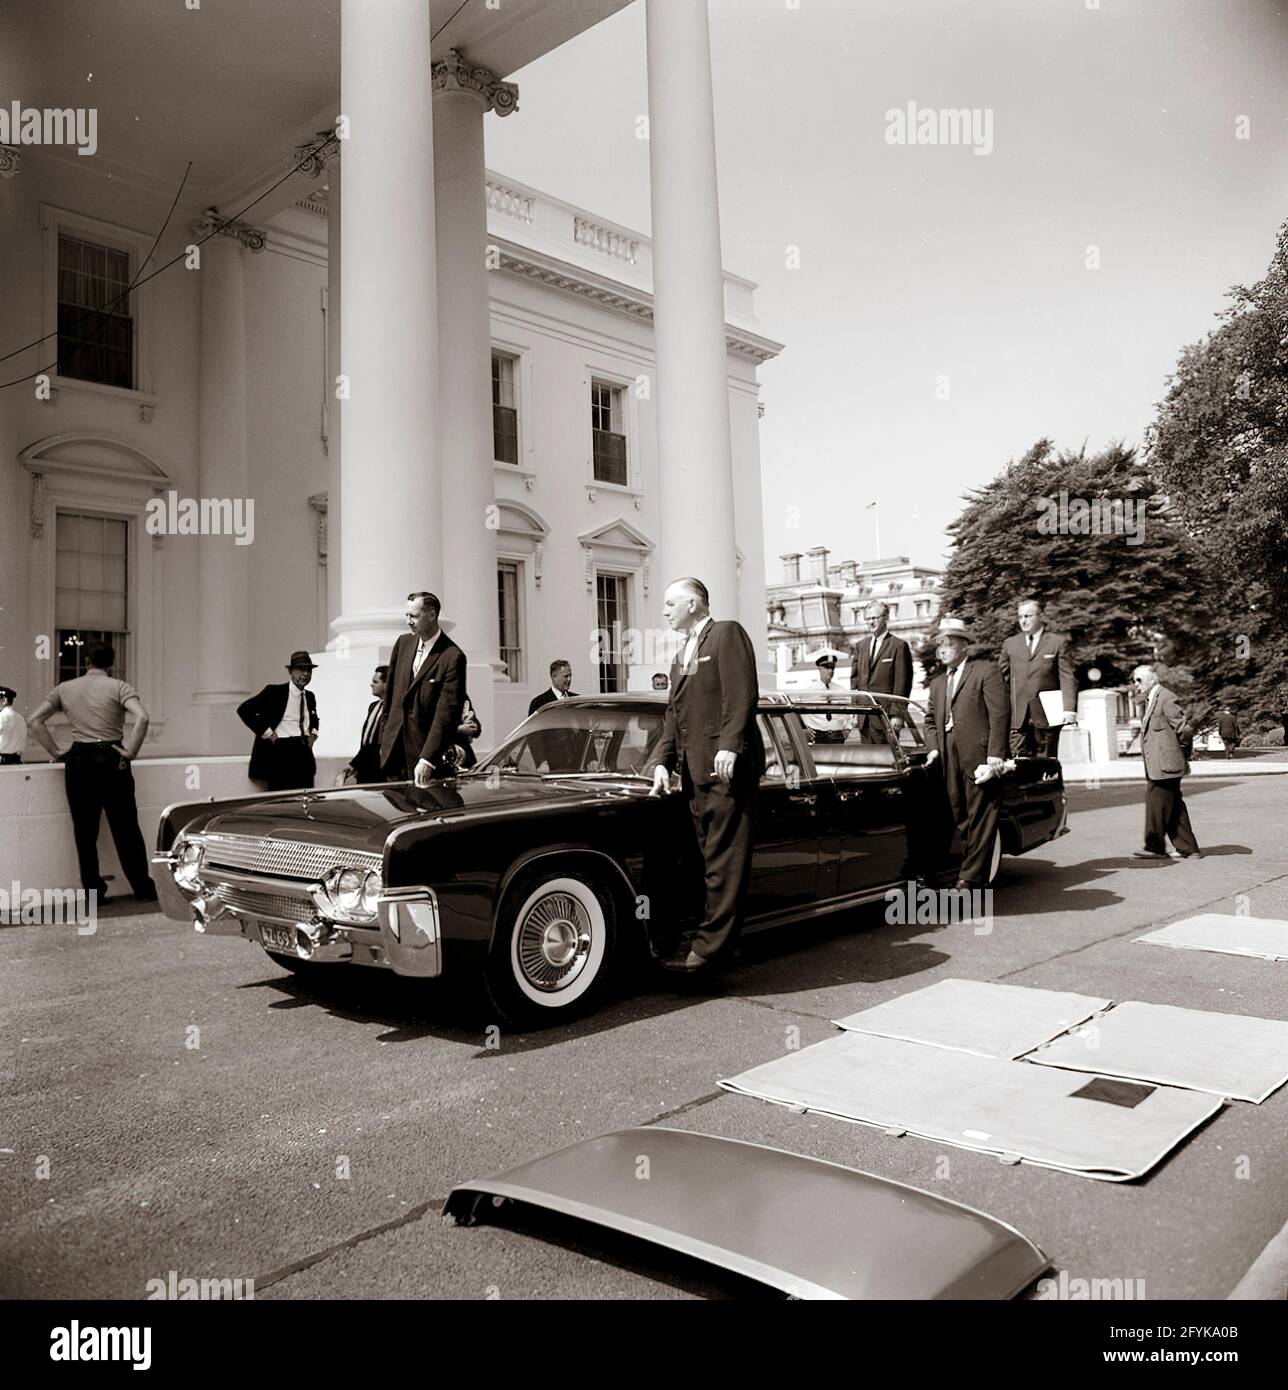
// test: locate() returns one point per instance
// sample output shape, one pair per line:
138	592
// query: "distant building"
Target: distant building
817	604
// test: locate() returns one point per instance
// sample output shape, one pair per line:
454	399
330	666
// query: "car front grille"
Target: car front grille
280	907
283	858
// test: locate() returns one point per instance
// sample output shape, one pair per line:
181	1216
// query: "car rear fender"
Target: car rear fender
571	856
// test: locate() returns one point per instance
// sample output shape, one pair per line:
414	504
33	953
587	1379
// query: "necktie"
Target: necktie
304	719
952	692
420	657
1033	642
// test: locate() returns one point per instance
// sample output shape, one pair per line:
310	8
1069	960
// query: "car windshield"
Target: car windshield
574	739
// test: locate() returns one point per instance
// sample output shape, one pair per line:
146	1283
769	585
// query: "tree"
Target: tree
1219	446
1092	537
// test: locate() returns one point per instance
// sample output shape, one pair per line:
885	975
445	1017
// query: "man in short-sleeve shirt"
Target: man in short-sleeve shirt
97	766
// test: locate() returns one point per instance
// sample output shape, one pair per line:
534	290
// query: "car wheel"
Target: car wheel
994	857
552	949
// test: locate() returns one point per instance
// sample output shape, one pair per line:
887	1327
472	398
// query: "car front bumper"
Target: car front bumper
406	936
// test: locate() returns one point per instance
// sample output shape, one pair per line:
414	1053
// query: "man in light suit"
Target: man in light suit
1161	729
1031	661
709	735
966	728
424	697
284	720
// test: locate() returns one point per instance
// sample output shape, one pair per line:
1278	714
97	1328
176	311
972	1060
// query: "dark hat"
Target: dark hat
301	659
827	659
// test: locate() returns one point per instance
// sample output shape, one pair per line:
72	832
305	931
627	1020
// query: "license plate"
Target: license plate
277	938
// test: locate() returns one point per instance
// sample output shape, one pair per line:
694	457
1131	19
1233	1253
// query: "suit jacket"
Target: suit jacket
546	697
712	706
1049	668
892	673
980	729
366	761
1160	744
265	711
1228	727
423	711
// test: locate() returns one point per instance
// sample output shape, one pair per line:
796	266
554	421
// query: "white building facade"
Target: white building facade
439	379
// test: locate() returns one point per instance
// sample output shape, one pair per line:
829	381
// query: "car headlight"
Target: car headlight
187	865
349	895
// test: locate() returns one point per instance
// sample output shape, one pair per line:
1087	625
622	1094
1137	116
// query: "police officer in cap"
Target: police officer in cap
827	727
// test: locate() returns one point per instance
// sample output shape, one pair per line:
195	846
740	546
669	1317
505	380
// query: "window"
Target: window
607	409
612	603
95	327
505	413
781	761
923	608
90	589
508	576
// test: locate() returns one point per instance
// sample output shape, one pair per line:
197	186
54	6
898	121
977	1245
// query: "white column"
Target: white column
221	472
390	503
695	477
462	94
334	509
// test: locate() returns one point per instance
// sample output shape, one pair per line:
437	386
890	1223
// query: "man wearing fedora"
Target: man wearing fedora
966	729
284	720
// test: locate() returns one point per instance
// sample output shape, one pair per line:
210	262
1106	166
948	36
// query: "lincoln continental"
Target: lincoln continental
546	868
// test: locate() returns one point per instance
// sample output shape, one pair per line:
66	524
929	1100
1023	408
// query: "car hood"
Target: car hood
362	817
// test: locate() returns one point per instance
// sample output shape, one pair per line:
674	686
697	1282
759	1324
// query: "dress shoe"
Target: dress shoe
1193	854
689	963
148	895
1148	854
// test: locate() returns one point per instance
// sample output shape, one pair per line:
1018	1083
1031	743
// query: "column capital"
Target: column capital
10	162
454	74
211	223
312	159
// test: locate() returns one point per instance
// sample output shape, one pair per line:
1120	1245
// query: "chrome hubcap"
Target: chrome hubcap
554	941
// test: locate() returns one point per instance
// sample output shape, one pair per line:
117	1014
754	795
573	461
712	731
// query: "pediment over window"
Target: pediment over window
619	533
515	519
96	456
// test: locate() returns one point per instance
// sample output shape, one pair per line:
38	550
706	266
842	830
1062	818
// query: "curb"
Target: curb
1267	1276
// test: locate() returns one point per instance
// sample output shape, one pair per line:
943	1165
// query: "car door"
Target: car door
785	850
862	808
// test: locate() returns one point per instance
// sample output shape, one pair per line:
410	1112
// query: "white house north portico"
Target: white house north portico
423	374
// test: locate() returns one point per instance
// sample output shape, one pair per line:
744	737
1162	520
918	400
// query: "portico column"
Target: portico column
221	473
335	480
390	498
462	94
695	486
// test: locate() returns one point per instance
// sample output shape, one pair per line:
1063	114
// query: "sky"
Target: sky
940	313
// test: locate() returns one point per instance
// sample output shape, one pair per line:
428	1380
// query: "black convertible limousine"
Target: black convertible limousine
549	863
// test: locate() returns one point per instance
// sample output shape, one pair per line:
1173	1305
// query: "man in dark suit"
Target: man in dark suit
1228	727
709	735
966	729
1161	729
558	689
880	663
1031	661
284	720
364	766
424	697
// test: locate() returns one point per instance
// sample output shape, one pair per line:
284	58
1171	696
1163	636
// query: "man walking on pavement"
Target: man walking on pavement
1161	730
96	768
